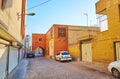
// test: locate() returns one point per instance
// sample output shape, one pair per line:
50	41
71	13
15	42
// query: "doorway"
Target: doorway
40	50
87	52
117	50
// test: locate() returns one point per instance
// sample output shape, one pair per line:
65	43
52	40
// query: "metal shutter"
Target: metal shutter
13	58
3	61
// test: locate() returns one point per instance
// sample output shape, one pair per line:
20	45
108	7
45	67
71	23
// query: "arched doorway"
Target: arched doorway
39	51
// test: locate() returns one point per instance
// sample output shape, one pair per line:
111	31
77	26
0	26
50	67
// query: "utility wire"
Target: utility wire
38	5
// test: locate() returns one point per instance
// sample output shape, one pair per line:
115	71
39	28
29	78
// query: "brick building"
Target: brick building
63	38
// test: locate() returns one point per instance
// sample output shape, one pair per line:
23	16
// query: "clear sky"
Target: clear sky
68	12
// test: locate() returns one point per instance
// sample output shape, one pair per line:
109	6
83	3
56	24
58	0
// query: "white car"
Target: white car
114	68
63	56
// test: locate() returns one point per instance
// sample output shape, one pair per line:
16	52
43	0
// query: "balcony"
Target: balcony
101	7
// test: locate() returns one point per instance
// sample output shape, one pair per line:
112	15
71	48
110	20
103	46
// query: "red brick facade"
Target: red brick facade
55	40
38	40
60	38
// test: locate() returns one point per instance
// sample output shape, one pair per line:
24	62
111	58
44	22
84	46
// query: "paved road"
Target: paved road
43	68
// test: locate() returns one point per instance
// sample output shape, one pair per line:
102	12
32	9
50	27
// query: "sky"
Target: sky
67	12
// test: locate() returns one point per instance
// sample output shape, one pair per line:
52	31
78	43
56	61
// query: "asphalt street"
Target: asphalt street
44	68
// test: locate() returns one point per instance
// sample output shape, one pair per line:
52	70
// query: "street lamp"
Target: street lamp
86	17
28	14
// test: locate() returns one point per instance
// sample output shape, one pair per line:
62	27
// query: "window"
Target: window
65	53
103	22
51	34
40	39
3	4
61	32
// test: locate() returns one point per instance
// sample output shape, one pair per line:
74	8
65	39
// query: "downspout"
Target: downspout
19	54
7	63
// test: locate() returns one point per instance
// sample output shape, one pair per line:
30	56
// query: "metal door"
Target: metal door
13	58
117	48
86	52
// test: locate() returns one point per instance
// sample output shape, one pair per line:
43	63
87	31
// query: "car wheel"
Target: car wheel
33	56
60	60
27	56
115	72
70	60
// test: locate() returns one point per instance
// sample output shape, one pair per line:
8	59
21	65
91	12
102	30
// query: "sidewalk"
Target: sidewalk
20	71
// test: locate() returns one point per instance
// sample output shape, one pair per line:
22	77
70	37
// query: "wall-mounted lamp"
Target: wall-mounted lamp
28	14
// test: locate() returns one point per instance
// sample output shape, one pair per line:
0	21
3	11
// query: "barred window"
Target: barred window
61	32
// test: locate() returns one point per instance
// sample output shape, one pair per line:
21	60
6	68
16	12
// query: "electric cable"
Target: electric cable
38	5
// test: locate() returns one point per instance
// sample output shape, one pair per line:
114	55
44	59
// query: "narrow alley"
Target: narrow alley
43	68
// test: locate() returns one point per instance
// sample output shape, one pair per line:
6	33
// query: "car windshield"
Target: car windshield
65	53
30	52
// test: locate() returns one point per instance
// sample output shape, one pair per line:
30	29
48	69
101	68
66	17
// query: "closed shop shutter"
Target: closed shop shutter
21	54
86	52
3	61
13	58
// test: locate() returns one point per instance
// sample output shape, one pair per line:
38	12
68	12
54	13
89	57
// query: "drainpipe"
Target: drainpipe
19	54
7	63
